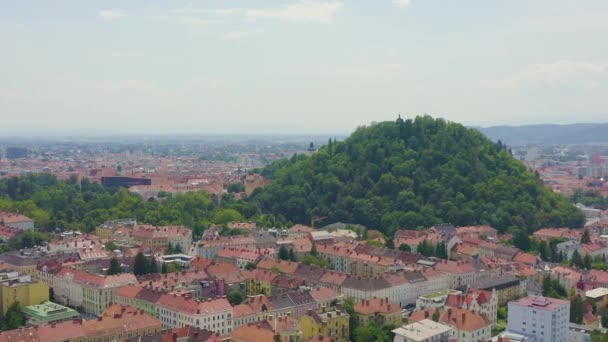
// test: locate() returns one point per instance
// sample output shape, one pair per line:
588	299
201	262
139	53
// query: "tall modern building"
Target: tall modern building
544	318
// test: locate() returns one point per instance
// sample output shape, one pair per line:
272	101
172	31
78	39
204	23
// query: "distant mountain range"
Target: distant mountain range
546	134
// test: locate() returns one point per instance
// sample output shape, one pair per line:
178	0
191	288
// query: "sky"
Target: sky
298	66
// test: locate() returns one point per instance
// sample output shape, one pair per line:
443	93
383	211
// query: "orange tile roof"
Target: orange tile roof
300	228
324	293
253	332
253	305
459	318
287	267
376	305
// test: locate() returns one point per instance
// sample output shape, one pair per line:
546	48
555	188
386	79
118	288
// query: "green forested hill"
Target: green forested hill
410	174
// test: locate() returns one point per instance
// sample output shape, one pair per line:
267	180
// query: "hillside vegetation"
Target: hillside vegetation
413	174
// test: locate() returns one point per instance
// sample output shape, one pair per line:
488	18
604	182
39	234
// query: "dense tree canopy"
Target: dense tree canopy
70	204
414	173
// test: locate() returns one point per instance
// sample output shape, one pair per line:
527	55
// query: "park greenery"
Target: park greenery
413	174
82	205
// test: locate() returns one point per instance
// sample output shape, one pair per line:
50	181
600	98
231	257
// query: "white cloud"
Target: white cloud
193	21
572	72
368	71
240	34
301	11
111	15
402	3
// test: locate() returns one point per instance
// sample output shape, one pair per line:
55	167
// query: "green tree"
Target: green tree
173	267
115	267
576	259
163	268
223	216
585	238
576	310
313	250
153	266
436	316
250	266
140	265
283	253
14	318
291	256
111	246
405	248
235	297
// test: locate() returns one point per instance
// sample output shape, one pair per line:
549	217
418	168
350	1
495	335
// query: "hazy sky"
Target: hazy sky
299	66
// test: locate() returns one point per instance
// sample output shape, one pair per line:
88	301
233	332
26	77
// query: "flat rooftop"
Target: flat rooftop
422	330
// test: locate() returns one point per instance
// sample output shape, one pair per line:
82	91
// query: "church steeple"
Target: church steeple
399	119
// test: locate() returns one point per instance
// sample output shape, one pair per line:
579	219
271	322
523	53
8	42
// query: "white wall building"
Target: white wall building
545	318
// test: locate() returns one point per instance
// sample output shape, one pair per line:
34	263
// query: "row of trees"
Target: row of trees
70	204
429	249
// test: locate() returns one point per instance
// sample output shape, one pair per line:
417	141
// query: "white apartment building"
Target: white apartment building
545	318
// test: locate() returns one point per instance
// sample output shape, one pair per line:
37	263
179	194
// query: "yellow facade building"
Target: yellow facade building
26	292
333	324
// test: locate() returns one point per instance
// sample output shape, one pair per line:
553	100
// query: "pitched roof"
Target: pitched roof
463	320
375	306
287	267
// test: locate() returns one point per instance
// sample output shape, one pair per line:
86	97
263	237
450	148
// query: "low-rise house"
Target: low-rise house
330	323
15	220
48	312
598	295
378	310
425	330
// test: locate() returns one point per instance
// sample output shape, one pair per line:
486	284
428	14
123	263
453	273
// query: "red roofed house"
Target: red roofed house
15	220
484	302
